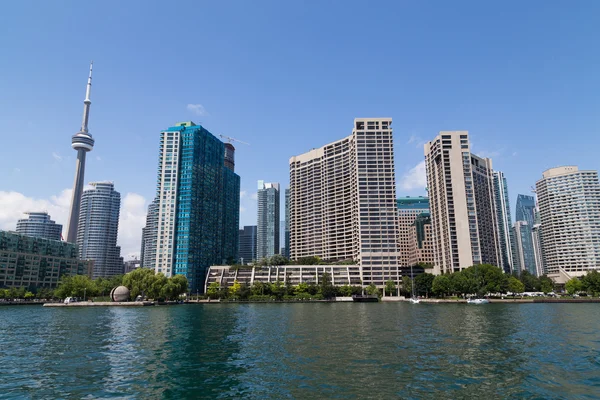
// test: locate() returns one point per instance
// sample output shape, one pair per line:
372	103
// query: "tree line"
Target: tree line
589	284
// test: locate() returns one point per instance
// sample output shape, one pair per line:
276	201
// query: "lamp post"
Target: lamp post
84	291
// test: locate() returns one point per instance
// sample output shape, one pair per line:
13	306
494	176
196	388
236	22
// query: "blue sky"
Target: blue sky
287	76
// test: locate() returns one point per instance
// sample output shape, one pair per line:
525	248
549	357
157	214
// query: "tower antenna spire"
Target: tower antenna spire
87	102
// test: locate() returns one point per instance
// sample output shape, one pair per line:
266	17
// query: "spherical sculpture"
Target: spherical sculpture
120	293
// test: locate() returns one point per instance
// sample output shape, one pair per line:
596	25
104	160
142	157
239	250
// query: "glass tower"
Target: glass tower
525	209
39	225
198	199
503	217
247	246
98	228
268	224
524	248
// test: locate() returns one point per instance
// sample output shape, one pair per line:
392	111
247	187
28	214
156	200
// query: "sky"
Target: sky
286	77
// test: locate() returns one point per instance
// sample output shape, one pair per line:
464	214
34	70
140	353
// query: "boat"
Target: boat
477	301
365	298
414	299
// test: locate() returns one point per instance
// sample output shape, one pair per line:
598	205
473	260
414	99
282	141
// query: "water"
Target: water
302	351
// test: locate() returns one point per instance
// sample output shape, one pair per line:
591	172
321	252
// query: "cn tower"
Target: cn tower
82	142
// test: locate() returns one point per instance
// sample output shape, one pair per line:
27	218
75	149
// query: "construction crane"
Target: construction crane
230	139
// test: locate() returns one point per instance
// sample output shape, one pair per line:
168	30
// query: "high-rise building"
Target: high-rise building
421	249
98	229
287	223
461	200
39	225
569	203
524	248
525	209
408	210
149	235
538	252
247	246
343	202
131	265
198	200
35	262
505	233
268	220
83	142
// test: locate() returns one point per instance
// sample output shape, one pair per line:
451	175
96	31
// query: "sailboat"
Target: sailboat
414	299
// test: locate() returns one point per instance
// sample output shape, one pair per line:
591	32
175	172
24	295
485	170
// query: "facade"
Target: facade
340	274
98	229
408	210
247	245
342	201
503	217
198	201
149	236
538	252
569	204
268	223
421	239
461	197
524	248
34	262
287	224
131	265
82	142
525	209
39	225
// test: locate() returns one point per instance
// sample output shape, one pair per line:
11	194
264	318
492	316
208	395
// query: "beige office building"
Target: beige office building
569	203
461	200
421	241
342	201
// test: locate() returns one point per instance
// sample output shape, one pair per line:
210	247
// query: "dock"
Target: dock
102	304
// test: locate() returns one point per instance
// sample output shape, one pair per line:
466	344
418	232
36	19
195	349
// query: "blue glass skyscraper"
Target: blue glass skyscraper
198	197
525	209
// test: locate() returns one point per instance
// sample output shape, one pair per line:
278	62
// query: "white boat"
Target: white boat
414	300
477	301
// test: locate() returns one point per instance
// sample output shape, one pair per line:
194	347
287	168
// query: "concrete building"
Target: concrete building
503	217
408	210
131	265
524	248
247	245
421	241
286	235
198	201
39	225
149	236
225	276
82	142
34	262
342	201
461	200
268	224
98	229
569	204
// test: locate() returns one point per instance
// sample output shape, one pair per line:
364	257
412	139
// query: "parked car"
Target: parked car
69	300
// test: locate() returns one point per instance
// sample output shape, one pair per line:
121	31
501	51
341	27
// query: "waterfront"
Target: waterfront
329	350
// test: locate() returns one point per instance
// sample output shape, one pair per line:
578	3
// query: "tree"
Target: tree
372	290
406	286
532	284
441	286
234	290
278	259
591	282
28	295
325	286
213	290
139	282
573	286
345	290
75	286
311	260
423	284
546	284
515	285
390	287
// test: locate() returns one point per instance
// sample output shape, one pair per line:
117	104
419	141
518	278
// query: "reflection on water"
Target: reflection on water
275	351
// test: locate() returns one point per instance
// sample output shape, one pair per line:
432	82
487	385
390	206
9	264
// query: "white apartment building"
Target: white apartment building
342	201
461	200
569	203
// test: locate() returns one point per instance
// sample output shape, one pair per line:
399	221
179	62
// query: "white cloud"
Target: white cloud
514	154
242	209
17	169
57	156
132	217
416	140
488	154
415	178
243	194
254	196
98	158
197	109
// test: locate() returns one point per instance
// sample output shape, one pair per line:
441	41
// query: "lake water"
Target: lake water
302	351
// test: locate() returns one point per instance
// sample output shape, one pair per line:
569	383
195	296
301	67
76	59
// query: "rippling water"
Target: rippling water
296	351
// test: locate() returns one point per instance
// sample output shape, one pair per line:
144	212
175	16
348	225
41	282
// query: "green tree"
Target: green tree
372	290
257	288
345	290
591	282
213	290
28	295
75	286
390	287
546	284
325	287
139	282
515	285
532	283
276	289
278	259
234	290
423	284
311	260
573	286
441	286
406	286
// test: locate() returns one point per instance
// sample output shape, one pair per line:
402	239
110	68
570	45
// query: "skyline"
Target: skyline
527	95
